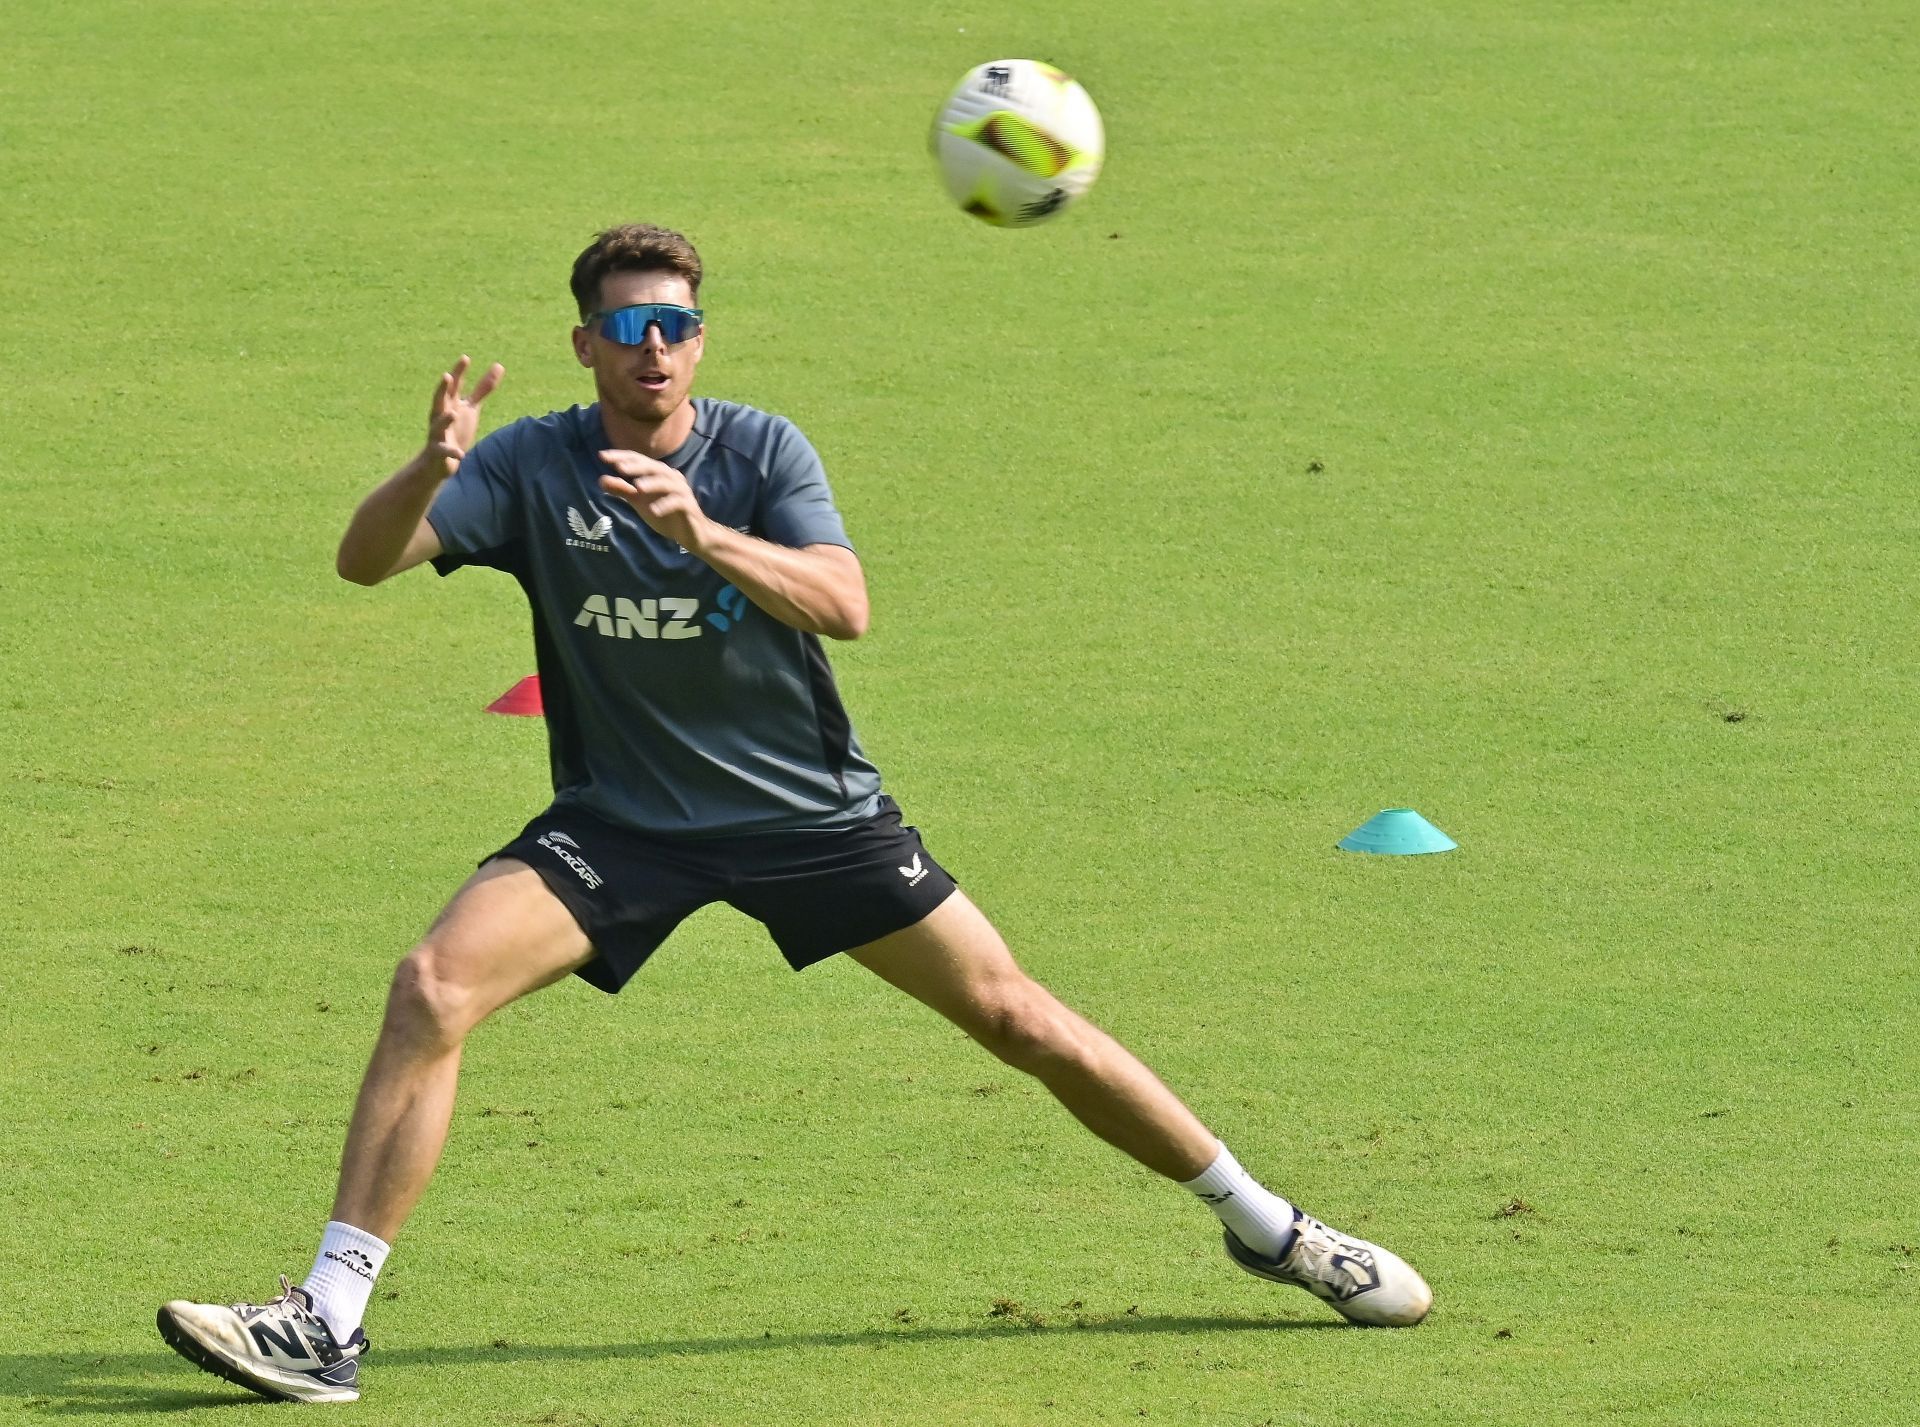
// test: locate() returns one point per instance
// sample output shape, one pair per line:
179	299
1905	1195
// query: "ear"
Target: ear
583	346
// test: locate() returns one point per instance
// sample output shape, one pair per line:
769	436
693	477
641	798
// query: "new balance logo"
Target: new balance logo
664	618
1363	1275
597	536
914	871
285	1340
552	840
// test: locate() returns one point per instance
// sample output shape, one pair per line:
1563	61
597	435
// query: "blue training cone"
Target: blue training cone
1400	831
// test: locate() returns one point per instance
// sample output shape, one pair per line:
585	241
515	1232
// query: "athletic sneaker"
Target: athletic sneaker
280	1349
1364	1282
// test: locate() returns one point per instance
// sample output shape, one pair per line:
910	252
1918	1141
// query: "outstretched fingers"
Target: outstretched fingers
441	411
454	420
489	379
448	392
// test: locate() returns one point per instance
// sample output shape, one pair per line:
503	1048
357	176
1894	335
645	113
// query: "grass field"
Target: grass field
1502	410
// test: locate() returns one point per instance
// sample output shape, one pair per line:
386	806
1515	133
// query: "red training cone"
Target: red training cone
522	698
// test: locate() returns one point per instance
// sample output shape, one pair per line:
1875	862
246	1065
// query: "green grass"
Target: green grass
1502	410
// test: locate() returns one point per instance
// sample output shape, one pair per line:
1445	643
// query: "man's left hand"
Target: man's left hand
659	495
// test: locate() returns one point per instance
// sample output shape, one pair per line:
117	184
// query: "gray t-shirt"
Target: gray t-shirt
674	705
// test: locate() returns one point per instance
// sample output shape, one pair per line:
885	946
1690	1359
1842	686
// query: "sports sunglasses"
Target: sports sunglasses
628	325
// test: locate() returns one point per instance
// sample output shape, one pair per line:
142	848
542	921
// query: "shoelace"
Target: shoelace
304	1312
286	1297
1312	1254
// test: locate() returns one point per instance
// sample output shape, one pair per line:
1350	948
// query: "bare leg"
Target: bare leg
503	935
955	962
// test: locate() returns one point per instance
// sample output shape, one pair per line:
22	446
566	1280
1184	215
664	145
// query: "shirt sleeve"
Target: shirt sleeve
796	505
476	513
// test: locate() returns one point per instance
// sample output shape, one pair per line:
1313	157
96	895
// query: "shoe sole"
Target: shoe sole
207	1360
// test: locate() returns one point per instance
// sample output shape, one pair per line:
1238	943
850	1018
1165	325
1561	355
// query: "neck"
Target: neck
657	439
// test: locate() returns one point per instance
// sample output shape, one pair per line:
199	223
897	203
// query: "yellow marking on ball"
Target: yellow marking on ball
1017	139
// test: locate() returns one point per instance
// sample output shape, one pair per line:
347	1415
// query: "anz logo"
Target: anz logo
624	619
665	617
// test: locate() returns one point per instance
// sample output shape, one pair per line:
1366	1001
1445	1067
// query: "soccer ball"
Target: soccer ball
1017	142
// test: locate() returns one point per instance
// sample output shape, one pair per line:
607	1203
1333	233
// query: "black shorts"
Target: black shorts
818	892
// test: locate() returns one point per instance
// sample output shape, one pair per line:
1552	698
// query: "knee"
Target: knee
427	1005
1026	1027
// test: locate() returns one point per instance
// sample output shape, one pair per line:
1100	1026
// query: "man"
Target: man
683	557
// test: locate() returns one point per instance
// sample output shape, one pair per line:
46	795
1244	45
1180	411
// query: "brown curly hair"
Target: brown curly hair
632	247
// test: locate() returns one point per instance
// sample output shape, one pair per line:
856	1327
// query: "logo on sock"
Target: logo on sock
1221	1198
352	1259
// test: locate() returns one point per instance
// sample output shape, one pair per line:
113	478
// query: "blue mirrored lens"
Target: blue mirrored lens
628	325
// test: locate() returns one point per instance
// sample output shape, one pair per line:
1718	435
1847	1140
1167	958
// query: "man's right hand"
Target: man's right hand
390	532
454	420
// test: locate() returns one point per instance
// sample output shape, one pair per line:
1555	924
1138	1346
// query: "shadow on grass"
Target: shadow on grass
73	1383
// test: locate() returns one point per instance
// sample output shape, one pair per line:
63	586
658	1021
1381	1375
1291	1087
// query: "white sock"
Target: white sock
1259	1218
343	1273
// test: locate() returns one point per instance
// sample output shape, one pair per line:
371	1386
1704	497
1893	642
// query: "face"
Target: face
647	383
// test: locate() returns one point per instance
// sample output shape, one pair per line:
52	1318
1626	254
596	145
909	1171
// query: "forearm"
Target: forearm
377	537
819	589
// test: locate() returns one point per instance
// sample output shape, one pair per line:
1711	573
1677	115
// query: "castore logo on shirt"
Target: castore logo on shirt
597	536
